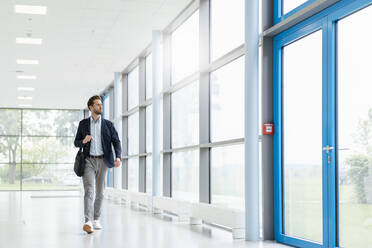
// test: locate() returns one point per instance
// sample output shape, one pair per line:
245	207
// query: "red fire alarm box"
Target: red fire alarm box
268	129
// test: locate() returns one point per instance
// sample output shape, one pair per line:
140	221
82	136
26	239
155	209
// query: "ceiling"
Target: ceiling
84	43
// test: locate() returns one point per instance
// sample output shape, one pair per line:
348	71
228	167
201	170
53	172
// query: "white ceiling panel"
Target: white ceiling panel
84	43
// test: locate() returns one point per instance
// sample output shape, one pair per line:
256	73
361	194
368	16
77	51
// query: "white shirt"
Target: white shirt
96	142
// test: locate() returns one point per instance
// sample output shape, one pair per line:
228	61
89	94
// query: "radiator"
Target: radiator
230	218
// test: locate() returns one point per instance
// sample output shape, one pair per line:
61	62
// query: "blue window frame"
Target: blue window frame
325	21
103	115
103	105
279	14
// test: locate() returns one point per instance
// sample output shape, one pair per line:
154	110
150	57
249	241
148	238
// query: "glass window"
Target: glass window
185	175
227	26
35	160
49	177
185	116
149	174
106	107
149	76
133	88
133	134
10	122
10	176
289	5
133	174
149	128
354	116
227	101
48	150
185	48
227	176
161	175
10	149
161	124
51	122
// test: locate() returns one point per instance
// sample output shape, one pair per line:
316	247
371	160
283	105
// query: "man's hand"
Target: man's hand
87	139
117	162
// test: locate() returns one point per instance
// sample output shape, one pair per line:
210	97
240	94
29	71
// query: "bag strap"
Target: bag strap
81	148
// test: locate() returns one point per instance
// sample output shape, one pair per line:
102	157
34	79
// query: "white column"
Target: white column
252	222
118	121
156	90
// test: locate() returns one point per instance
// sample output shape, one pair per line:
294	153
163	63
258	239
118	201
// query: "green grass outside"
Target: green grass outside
304	214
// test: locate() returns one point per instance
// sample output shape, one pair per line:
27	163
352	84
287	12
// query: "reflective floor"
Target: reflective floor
55	219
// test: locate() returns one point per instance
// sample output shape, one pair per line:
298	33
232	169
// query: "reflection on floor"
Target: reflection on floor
54	219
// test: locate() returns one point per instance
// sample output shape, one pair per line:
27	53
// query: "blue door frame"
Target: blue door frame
325	21
103	115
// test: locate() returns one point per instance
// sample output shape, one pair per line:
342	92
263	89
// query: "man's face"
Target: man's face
96	107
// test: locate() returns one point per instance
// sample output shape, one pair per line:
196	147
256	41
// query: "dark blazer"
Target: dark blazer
108	136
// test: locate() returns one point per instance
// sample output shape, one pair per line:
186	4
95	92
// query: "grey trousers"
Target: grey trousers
94	185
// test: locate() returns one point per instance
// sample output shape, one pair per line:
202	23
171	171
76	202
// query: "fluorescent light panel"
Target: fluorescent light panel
27	61
29	41
30	9
25	97
25	89
27	77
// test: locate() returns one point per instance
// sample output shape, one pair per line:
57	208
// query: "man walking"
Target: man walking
96	135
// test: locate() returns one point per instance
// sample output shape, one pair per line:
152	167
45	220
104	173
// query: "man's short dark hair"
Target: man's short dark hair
91	100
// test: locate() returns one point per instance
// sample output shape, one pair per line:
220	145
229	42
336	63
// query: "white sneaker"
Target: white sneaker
97	225
88	227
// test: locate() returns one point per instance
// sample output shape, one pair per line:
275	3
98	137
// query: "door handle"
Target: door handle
328	148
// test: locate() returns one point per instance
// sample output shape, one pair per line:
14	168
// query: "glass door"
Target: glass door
302	122
354	129
302	138
323	114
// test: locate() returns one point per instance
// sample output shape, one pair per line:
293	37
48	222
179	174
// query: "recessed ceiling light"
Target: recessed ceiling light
27	61
29	41
25	88
25	97
25	105
30	9
27	77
